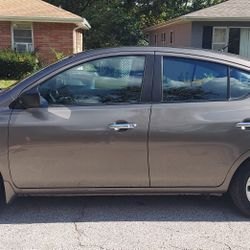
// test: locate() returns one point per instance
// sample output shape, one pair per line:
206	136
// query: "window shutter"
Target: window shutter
207	37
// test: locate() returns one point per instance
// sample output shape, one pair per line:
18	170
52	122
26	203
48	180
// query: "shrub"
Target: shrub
15	65
58	54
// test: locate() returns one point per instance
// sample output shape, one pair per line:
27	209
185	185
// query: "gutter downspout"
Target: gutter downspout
74	40
83	25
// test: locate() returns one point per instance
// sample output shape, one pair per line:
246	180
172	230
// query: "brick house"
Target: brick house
225	26
28	25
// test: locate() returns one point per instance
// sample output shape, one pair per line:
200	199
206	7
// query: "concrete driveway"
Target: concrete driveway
123	223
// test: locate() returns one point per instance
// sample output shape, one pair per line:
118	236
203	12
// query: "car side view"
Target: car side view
139	120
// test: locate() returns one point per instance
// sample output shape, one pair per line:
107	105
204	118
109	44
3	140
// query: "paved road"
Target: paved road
123	223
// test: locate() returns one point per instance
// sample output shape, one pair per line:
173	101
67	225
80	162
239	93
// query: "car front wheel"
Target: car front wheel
240	190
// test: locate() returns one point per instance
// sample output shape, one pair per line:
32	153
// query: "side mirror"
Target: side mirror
30	99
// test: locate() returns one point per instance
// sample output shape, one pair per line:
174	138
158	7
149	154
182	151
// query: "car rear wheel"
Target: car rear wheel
240	190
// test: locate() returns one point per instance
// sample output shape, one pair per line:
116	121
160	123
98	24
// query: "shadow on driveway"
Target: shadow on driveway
136	208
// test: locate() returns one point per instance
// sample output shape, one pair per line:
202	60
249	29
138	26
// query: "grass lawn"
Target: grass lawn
6	83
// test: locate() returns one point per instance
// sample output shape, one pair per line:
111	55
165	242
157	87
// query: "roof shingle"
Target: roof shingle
35	10
228	9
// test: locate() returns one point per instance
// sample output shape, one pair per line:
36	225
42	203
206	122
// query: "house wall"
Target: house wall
49	36
188	34
197	30
5	35
181	35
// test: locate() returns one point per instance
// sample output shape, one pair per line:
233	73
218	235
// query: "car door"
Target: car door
194	139
90	129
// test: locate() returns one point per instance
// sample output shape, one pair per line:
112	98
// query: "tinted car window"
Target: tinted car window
193	80
239	83
103	81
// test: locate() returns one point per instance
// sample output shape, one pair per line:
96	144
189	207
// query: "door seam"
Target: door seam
8	147
148	135
149	121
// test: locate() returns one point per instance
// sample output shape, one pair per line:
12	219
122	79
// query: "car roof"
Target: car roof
216	55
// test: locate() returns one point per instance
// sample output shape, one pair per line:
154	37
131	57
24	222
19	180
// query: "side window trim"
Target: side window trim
147	81
157	79
228	84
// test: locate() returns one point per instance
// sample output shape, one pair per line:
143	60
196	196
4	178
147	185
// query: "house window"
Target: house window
220	38
163	38
234	41
22	38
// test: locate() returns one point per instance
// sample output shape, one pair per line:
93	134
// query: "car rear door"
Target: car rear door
194	139
90	129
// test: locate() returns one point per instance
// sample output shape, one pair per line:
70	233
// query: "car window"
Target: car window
187	80
103	81
239	83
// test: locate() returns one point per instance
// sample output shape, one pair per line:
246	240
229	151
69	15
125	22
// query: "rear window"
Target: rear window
240	83
189	80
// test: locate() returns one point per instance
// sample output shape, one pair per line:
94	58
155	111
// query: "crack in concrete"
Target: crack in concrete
78	235
227	219
180	248
224	214
81	233
218	242
228	246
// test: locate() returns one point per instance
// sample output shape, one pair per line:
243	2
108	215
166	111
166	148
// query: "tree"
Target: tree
120	23
76	6
113	24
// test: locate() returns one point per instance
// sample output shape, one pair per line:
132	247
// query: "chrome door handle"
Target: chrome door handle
243	125
122	126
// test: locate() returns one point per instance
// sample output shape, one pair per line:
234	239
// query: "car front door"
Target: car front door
90	129
194	140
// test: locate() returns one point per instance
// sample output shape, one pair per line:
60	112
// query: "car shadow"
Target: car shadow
127	208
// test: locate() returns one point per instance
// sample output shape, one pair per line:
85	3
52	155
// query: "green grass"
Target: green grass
6	83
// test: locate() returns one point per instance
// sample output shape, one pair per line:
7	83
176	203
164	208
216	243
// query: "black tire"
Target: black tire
238	192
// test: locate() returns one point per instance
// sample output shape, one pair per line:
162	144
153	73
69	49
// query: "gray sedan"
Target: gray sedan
129	121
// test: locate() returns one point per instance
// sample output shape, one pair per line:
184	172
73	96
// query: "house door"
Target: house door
245	42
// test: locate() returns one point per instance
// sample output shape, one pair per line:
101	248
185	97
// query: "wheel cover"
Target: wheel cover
248	189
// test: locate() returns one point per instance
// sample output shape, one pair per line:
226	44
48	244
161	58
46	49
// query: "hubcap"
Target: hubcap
248	189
